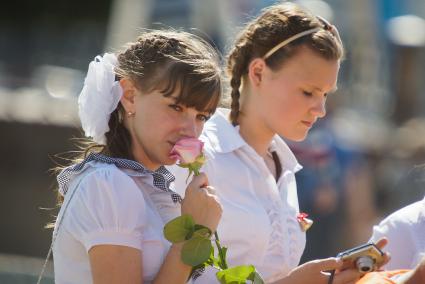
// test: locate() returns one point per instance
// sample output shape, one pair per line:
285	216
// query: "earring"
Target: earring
130	114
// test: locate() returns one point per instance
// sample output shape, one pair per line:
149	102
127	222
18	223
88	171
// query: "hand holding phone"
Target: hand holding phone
365	258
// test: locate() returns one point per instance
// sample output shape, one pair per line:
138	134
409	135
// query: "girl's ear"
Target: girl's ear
256	71
129	93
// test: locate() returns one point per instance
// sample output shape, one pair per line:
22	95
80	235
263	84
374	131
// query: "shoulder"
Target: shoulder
402	222
408	215
105	183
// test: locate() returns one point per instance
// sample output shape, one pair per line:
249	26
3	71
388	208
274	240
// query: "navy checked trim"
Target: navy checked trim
162	178
197	273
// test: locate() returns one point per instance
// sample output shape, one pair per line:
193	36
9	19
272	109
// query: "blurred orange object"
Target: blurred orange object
385	277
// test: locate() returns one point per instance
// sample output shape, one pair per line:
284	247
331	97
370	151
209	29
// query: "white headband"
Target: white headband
99	97
286	41
327	26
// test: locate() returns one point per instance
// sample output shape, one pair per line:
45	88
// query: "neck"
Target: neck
253	128
139	154
141	157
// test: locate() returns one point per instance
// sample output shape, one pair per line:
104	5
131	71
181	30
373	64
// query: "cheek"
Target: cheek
199	128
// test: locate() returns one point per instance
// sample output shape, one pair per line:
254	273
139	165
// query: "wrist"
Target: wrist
176	251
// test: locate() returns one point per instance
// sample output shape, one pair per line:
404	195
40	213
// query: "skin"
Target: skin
313	271
418	275
288	102
155	125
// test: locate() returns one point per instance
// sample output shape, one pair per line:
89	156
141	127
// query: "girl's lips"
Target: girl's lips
308	124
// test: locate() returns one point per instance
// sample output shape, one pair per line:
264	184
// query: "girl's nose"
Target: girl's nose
189	127
319	108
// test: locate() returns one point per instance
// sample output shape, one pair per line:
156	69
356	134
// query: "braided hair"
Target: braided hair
275	24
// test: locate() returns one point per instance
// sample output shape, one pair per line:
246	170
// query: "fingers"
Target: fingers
198	181
209	189
347	276
381	243
387	258
331	263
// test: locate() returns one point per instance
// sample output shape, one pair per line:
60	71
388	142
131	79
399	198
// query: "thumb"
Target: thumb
381	243
331	263
199	181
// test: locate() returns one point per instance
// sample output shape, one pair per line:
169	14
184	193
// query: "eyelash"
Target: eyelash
201	117
308	94
176	107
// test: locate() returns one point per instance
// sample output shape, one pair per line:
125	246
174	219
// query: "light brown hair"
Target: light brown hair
274	25
166	61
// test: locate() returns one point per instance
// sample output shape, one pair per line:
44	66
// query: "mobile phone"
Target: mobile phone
365	258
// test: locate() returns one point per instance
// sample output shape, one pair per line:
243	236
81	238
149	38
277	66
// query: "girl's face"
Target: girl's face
292	98
158	123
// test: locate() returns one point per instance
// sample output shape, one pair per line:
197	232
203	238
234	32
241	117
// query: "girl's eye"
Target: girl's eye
308	94
203	117
176	108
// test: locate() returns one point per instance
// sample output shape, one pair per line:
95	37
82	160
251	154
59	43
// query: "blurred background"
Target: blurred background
363	161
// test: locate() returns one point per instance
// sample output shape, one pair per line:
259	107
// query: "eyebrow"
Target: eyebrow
334	89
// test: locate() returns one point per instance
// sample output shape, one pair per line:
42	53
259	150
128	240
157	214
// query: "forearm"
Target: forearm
173	270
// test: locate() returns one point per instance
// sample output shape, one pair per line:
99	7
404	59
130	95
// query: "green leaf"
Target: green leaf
195	251
194	269
212	260
256	278
179	228
202	231
235	275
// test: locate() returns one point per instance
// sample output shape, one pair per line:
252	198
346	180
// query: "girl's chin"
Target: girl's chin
296	138
171	161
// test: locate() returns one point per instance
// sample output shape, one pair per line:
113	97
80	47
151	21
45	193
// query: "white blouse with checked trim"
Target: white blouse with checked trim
259	222
116	202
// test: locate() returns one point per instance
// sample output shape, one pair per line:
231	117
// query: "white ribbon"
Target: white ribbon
99	97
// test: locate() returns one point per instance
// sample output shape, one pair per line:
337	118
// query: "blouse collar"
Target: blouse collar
223	138
162	178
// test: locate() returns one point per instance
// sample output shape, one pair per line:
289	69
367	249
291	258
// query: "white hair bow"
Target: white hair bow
99	97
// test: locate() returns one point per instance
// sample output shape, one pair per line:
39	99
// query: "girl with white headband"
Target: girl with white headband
282	67
116	199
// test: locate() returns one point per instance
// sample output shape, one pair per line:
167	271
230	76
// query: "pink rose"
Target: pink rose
187	150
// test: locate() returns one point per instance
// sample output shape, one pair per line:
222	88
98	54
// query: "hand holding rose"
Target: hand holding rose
200	208
200	201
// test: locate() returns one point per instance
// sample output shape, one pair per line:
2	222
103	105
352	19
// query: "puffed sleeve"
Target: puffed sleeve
107	208
397	231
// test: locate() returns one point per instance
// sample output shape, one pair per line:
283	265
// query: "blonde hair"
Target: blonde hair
273	26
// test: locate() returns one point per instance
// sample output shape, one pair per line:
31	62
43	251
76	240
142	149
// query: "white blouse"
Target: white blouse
113	206
405	230
259	222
